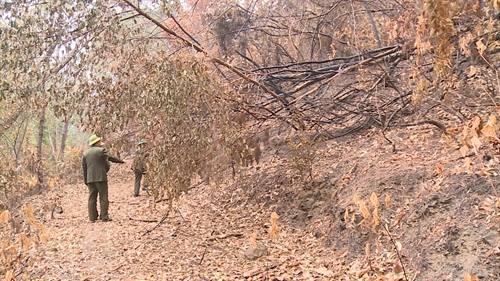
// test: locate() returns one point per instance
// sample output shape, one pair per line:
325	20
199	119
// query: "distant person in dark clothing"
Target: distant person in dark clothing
139	166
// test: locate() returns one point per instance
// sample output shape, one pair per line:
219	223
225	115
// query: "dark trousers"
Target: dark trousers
95	189
137	184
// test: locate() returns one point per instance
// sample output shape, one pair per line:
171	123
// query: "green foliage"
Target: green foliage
39	40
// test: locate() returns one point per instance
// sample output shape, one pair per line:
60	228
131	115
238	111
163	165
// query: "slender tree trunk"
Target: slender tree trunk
19	139
64	136
39	151
374	25
41	124
55	135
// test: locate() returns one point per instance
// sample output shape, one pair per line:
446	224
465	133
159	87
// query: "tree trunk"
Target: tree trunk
53	140
39	155
19	139
64	136
41	124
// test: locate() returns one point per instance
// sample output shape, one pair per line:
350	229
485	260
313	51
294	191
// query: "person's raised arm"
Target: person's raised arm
115	159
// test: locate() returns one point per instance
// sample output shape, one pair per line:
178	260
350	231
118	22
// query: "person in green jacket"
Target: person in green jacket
139	166
96	165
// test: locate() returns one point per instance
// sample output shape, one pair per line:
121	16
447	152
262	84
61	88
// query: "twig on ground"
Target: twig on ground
141	220
493	187
205	251
20	272
397	251
224	236
203	256
126	202
156	226
439	125
180	214
203	277
161	200
257	272
391	142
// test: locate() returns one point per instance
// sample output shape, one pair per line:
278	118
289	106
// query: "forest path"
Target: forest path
80	250
204	237
441	222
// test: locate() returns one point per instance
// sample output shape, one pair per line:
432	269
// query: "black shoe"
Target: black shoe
108	219
135	195
92	221
145	188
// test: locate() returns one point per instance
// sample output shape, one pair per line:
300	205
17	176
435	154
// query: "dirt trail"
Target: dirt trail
204	238
445	223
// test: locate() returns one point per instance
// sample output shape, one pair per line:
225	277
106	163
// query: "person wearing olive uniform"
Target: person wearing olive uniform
96	165
139	166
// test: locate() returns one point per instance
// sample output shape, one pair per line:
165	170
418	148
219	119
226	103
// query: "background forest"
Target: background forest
220	88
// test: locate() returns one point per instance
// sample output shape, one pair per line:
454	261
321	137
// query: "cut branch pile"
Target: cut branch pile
334	97
337	97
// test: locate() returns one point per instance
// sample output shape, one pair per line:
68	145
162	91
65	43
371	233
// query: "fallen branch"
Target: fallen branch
259	271
439	125
205	251
199	49
397	251
156	226
161	200
391	142
203	256
224	236
180	214
141	220
118	267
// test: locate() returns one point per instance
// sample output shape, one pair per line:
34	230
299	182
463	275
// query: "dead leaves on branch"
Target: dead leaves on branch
370	213
274	229
473	140
434	45
435	28
490	129
369	218
14	248
175	104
